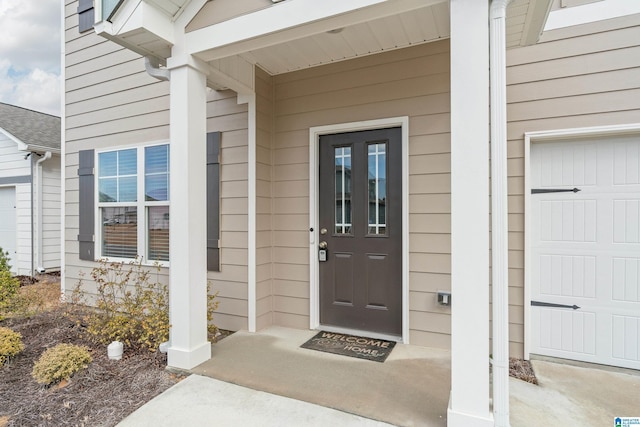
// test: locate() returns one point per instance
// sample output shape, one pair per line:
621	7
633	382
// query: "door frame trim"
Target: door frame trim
314	277
545	136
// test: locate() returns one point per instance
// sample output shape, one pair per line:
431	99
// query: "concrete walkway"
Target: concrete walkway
201	401
306	387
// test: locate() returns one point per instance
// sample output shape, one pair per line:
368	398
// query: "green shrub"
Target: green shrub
4	261
60	363
10	344
9	296
129	306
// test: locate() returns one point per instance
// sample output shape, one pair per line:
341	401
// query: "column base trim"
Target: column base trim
188	359
460	419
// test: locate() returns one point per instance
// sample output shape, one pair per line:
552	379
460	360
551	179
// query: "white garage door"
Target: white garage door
585	250
8	222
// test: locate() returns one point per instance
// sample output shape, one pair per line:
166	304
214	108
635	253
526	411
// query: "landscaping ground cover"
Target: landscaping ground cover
101	395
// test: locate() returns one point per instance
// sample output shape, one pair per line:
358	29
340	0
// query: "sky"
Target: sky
30	54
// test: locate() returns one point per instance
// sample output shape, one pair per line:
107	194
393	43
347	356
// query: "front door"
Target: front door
361	230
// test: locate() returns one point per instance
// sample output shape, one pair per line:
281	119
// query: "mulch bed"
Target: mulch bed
101	395
522	370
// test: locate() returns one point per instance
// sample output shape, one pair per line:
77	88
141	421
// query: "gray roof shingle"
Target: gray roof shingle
39	131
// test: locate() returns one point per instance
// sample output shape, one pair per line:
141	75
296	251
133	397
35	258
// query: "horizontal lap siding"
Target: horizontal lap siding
583	76
109	101
51	228
224	114
410	82
112	102
264	132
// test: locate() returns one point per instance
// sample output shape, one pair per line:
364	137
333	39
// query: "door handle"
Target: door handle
322	245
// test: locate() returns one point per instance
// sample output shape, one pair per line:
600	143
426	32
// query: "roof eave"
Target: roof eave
537	16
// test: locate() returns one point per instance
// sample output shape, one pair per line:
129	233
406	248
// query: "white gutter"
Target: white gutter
46	156
499	212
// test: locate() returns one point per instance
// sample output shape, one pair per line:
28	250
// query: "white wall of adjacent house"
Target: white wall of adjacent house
48	229
12	165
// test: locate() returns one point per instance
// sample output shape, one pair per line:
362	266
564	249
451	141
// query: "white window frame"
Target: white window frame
141	204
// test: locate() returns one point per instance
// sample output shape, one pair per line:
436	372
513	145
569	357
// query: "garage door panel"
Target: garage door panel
585	250
626	221
626	338
568	220
565	331
566	275
626	283
562	164
626	155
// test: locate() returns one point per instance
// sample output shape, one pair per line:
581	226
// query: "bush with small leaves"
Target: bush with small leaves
9	297
4	260
130	306
10	344
60	363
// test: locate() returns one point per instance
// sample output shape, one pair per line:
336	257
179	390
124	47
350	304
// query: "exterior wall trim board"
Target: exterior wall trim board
10	180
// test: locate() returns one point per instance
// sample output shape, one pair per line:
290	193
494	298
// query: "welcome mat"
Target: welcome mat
351	345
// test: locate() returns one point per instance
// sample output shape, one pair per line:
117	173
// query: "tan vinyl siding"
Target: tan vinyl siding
410	82
224	114
584	76
264	237
112	102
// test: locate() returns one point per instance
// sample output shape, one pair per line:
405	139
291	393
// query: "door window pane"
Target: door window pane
377	179
120	232
158	233
343	190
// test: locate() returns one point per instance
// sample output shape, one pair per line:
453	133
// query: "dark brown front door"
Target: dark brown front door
361	223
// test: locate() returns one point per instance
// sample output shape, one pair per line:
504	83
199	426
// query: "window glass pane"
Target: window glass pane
157	187
377	180
108	188
108	164
156	159
127	189
127	162
158	233
120	232
157	173
343	190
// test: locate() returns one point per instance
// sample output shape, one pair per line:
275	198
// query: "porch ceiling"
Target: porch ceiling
387	33
525	20
296	38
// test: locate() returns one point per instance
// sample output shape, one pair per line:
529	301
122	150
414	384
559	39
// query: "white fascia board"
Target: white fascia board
21	145
535	22
592	12
288	21
134	18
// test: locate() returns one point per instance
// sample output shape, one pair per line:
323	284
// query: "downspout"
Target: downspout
46	156
30	155
499	212
152	66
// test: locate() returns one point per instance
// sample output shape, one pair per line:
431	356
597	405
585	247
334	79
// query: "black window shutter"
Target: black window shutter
86	16
213	201
86	206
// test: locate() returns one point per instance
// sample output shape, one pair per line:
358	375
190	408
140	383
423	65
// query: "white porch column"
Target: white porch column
187	220
469	400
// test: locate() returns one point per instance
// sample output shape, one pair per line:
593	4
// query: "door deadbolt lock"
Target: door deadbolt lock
322	245
323	231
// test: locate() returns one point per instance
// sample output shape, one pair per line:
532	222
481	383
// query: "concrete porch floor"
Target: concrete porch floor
411	388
